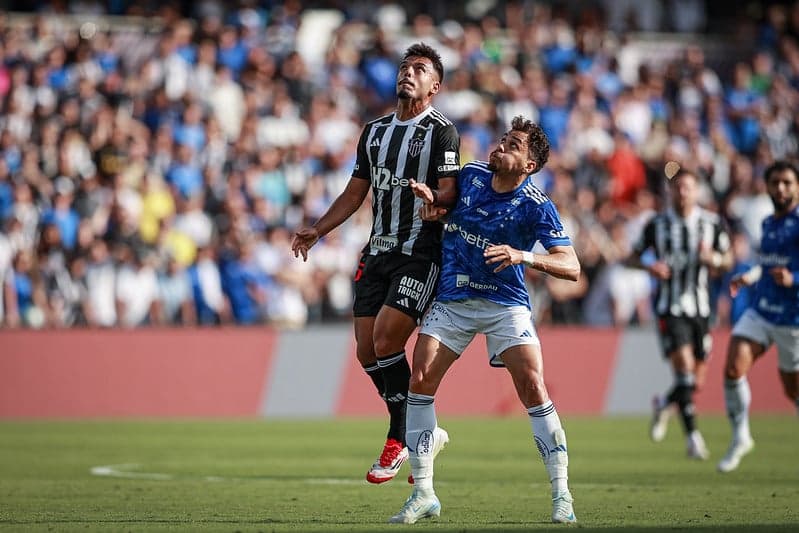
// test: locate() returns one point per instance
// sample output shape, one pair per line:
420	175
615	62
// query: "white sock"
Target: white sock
738	397
420	421
551	442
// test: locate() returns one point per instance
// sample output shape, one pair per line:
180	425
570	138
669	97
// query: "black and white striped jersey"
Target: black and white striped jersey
678	242
391	153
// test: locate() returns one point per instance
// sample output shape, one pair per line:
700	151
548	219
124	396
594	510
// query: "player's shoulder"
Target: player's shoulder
385	119
437	118
710	217
532	193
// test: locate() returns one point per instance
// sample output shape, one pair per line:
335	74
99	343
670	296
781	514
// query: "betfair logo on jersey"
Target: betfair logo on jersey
471	238
384	180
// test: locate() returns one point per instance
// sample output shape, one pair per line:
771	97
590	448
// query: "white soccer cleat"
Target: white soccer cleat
417	507
563	508
734	454
696	447
440	438
388	464
660	420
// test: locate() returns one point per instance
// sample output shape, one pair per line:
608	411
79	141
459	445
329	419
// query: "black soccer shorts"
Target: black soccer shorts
403	282
676	331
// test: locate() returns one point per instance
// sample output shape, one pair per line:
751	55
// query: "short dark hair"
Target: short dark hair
423	50
537	141
781	166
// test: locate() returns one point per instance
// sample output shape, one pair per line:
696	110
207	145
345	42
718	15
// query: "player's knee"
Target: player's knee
422	383
535	389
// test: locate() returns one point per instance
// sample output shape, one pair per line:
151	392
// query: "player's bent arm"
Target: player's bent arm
344	206
561	262
447	193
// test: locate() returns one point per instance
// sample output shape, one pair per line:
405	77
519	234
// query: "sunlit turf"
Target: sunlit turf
256	475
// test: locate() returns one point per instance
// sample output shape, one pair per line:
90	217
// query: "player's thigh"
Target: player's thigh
412	284
787	340
431	360
676	336
506	327
452	324
750	339
371	285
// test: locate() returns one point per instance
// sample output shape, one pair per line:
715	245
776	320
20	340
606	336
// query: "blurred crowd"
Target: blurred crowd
152	172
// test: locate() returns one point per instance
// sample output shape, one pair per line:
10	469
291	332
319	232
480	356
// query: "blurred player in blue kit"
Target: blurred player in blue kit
773	316
499	217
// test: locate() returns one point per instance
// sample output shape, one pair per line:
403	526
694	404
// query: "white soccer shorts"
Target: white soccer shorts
454	324
753	326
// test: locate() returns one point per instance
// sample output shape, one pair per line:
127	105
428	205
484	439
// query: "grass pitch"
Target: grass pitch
256	475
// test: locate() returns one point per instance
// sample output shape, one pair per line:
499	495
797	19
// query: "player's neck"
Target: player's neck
506	182
407	108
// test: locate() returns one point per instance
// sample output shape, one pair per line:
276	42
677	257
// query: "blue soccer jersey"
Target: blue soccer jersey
484	217
779	246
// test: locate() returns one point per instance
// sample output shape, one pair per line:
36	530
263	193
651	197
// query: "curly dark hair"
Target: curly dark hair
781	166
537	141
423	50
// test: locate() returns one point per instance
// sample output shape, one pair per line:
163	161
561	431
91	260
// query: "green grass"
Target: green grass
258	475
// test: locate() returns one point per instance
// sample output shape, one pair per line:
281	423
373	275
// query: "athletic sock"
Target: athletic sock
683	395
551	442
396	375
376	375
738	397
421	423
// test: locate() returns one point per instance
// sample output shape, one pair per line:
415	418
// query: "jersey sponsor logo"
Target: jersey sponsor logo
557	234
450	158
383	179
482	212
768	260
471	238
412	288
764	305
383	243
463	280
447	168
415	146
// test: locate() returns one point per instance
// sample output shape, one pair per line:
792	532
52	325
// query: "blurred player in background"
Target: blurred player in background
399	268
773	317
499	217
688	245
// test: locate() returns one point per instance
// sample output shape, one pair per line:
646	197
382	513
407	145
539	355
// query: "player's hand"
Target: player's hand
422	191
707	256
781	276
737	283
502	254
660	270
431	213
303	240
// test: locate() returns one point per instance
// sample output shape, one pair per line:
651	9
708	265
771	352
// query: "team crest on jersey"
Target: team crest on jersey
415	146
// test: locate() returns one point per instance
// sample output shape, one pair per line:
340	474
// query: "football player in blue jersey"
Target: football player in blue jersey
488	240
773	317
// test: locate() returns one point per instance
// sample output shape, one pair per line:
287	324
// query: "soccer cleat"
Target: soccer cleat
696	447
660	420
389	462
734	454
440	438
416	507
562	508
